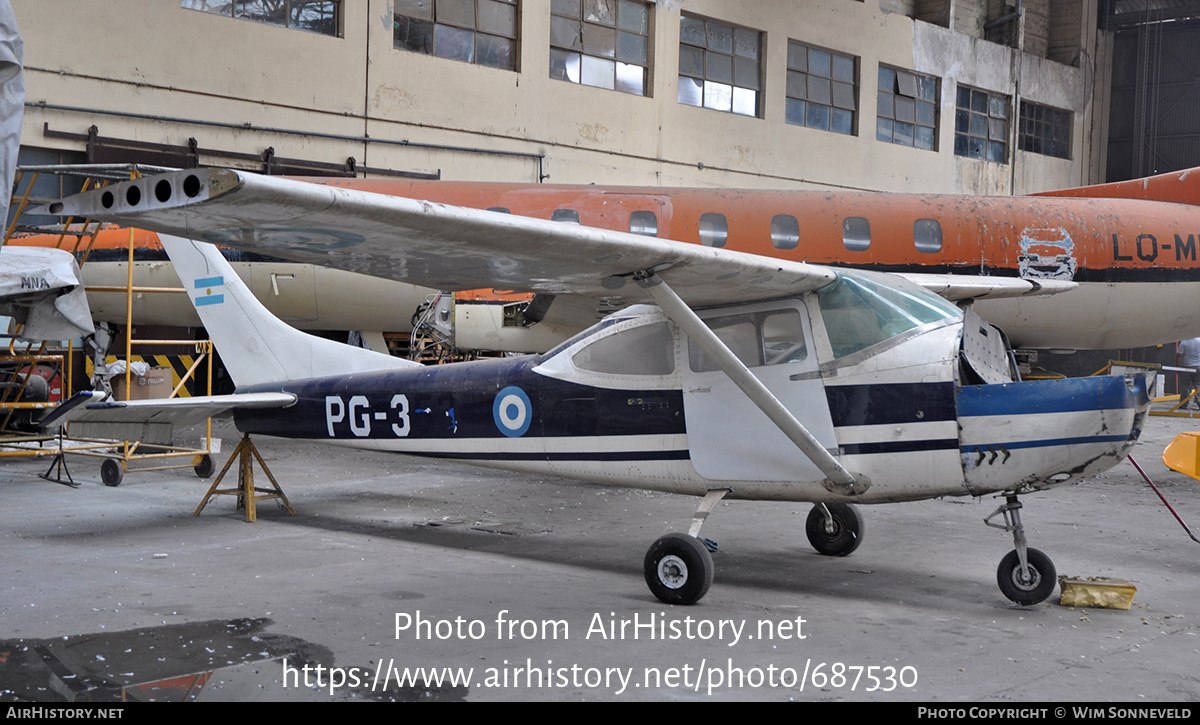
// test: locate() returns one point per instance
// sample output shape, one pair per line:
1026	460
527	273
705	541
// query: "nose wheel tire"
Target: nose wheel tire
678	569
842	536
1031	587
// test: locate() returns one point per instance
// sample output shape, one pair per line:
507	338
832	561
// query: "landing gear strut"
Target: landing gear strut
1026	576
679	567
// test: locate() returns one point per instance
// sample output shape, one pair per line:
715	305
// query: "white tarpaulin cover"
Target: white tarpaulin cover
40	288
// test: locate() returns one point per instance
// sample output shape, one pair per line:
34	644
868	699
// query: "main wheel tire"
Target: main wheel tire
678	569
848	529
1025	591
111	472
205	468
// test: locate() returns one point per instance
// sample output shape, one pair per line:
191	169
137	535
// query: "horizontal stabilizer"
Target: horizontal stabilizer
177	411
1177	187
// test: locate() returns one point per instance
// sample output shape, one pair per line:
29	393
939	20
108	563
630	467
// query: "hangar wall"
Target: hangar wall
180	74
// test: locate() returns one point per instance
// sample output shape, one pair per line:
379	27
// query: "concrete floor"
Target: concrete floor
111	592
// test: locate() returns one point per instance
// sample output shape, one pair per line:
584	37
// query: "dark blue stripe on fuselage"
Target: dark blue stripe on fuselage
888	404
937	444
457	401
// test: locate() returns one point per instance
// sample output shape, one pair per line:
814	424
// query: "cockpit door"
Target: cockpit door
729	437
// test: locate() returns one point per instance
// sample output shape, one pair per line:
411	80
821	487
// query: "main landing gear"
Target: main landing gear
835	529
679	567
1026	576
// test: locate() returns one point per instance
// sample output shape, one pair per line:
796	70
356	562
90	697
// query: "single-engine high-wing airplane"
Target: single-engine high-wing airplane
1128	250
746	377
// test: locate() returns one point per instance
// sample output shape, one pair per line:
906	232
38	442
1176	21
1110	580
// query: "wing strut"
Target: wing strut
839	480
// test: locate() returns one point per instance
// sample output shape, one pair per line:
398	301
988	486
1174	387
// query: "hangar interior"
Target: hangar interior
998	97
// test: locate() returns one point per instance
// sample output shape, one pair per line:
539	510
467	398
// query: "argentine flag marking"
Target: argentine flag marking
213	293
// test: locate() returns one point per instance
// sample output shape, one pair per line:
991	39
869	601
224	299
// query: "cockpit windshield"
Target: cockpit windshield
861	310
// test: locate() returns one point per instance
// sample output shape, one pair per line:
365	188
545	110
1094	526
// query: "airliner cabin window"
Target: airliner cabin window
644	223
713	230
927	235
785	231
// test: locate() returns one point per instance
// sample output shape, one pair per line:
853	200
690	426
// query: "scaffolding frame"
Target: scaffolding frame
114	466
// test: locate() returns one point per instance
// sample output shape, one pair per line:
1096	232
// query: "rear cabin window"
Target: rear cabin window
645	350
570	216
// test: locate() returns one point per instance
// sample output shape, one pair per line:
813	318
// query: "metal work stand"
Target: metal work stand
248	496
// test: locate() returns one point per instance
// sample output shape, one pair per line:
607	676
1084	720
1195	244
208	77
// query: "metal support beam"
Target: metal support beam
839	480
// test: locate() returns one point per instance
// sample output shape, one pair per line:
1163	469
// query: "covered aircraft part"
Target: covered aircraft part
40	289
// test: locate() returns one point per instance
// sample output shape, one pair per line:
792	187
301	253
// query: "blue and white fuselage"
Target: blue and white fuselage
629	403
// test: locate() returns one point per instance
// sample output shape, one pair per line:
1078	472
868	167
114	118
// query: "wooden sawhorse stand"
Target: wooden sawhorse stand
248	496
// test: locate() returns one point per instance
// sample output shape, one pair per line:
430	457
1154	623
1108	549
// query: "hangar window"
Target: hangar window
316	16
981	125
821	89
907	108
720	66
483	32
644	223
714	231
601	43
785	231
1045	130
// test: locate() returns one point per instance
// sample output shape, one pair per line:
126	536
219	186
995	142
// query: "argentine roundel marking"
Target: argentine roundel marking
512	411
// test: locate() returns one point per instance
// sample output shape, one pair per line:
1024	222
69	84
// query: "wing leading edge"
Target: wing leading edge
433	245
454	248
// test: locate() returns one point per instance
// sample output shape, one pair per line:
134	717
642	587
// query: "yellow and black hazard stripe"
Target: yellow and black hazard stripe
179	365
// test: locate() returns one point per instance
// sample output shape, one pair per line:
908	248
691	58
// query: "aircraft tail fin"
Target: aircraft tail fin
255	345
1177	187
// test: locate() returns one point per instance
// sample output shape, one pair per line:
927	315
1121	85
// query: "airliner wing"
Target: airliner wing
178	411
433	245
958	287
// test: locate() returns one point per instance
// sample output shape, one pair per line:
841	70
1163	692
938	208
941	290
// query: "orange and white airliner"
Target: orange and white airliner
1106	266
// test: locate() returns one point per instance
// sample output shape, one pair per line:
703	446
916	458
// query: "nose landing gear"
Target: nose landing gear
1026	576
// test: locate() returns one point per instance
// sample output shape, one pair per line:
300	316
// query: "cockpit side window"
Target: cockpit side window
645	350
860	312
759	338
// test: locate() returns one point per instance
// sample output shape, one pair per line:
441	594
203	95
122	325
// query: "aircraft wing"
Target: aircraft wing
178	411
956	287
433	245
